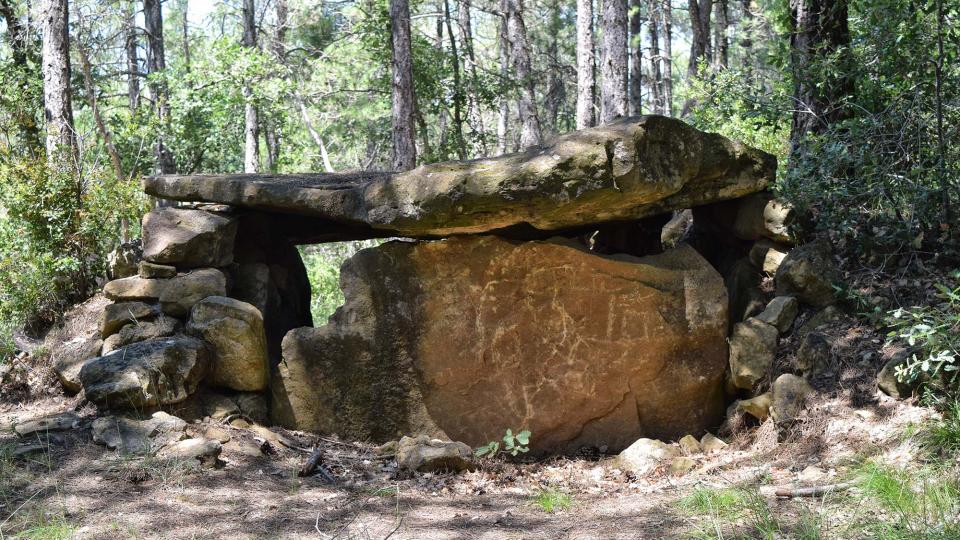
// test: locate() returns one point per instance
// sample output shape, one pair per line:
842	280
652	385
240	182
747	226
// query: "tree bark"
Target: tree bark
530	132
251	130
700	11
503	118
133	62
474	109
23	54
666	14
636	56
819	29
185	28
613	61
745	30
586	82
156	63
656	74
58	110
720	43
458	95
404	147
555	90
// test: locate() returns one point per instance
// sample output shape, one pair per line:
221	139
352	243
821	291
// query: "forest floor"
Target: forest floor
73	488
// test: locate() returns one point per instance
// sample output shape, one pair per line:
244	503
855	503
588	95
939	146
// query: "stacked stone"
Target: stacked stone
173	326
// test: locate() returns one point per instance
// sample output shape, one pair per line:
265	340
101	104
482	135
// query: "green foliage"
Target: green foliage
512	444
720	512
551	500
55	232
942	438
323	270
917	504
933	334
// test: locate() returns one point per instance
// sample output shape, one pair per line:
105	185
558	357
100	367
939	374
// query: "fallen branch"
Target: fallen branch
814	491
313	465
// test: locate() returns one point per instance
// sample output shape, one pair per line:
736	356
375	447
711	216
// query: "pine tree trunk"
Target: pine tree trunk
458	95
700	11
61	140
503	118
555	91
656	74
636	56
133	63
666	14
185	28
474	109
530	132
720	43
251	129
746	30
613	61
404	147
586	65
156	63
819	30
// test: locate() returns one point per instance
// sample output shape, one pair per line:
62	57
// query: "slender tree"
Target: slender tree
475	113
700	11
636	56
586	83
656	74
530	132
156	64
721	59
613	61
503	116
23	53
666	18
57	108
458	97
556	93
251	129
819	33
133	62
404	147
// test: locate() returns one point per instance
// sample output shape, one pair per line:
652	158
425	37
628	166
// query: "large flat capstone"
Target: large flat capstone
626	170
469	336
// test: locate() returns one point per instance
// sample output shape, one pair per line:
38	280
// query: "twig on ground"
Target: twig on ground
814	491
313	465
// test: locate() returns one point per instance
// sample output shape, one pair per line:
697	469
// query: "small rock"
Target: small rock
753	346
217	434
176	295
150	270
789	395
682	465
808	273
811	475
888	382
69	358
767	255
136	436
689	445
813	356
161	326
389	447
202	449
52	422
780	313
644	455
760	215
253	405
118	315
818	319
218	406
424	454
122	262
711	443
757	406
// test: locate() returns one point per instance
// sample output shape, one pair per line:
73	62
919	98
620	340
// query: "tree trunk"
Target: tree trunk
700	33
613	61
819	29
474	109
133	63
656	74
586	82
503	118
555	90
666	14
58	110
530	134
746	39
720	44
457	86
185	28
636	56
156	63
251	130
22	51
404	147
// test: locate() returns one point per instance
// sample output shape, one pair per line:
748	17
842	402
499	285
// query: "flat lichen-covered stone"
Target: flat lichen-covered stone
625	170
466	337
176	295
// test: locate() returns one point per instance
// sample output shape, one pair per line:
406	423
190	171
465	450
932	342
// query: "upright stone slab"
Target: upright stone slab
473	335
235	330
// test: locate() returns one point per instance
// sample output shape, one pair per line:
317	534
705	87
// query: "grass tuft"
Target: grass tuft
552	501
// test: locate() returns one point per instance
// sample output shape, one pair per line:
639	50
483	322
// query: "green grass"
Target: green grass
943	437
551	501
729	513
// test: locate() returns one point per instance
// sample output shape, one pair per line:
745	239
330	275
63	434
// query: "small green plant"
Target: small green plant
943	437
933	334
551	500
512	444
